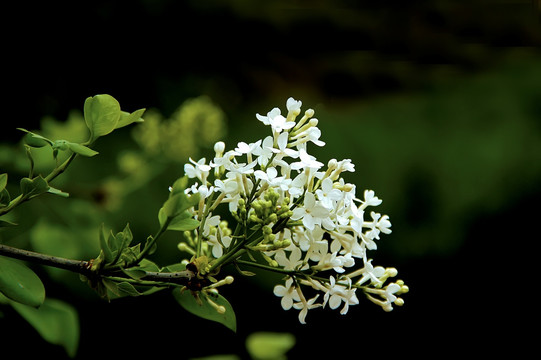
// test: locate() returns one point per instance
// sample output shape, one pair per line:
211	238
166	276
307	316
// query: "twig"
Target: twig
85	267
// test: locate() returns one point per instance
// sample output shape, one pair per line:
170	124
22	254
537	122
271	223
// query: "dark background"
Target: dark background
437	102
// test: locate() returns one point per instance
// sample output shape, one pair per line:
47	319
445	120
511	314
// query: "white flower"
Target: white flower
311	213
198	170
288	294
271	176
370	199
265	151
218	242
378	224
304	306
296	188
294	262
293	105
356	216
327	195
276	120
210	221
306	161
228	187
371	273
203	190
330	261
270	115
283	150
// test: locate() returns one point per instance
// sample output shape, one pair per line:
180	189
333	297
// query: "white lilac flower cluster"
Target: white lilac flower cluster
310	224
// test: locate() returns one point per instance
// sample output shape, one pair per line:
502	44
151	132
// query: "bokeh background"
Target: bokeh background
438	103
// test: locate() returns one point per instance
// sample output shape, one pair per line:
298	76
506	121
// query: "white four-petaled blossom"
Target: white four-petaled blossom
288	293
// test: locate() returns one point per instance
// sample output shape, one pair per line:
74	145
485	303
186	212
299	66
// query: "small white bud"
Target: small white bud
219	148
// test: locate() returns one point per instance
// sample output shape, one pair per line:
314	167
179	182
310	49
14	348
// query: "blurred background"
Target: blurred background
438	104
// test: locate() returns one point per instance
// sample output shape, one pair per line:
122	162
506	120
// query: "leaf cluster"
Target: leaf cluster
20	286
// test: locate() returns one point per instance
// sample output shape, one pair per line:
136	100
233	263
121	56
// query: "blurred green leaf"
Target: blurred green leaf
5	199
4	194
56	321
20	284
269	345
201	307
101	113
33	187
3	181
4	223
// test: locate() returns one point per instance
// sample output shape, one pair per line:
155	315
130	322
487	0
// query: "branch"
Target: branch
84	267
78	266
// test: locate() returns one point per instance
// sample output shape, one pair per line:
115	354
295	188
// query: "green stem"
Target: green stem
151	243
22	198
60	169
267	267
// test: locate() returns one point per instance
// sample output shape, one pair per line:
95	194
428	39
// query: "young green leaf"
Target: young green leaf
81	149
202	307
56	321
101	113
20	284
176	205
4	223
119	243
104	245
3	181
5	199
34	187
183	222
35	140
127	118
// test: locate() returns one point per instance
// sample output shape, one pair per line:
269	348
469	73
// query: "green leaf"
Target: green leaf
269	345
5	199
119	243
182	222
4	194
3	181
120	289
81	149
56	321
202	308
34	187
35	140
104	245
4	223
101	113
20	284
177	203
126	118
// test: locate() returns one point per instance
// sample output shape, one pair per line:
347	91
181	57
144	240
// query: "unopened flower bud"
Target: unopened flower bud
391	272
219	148
332	164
